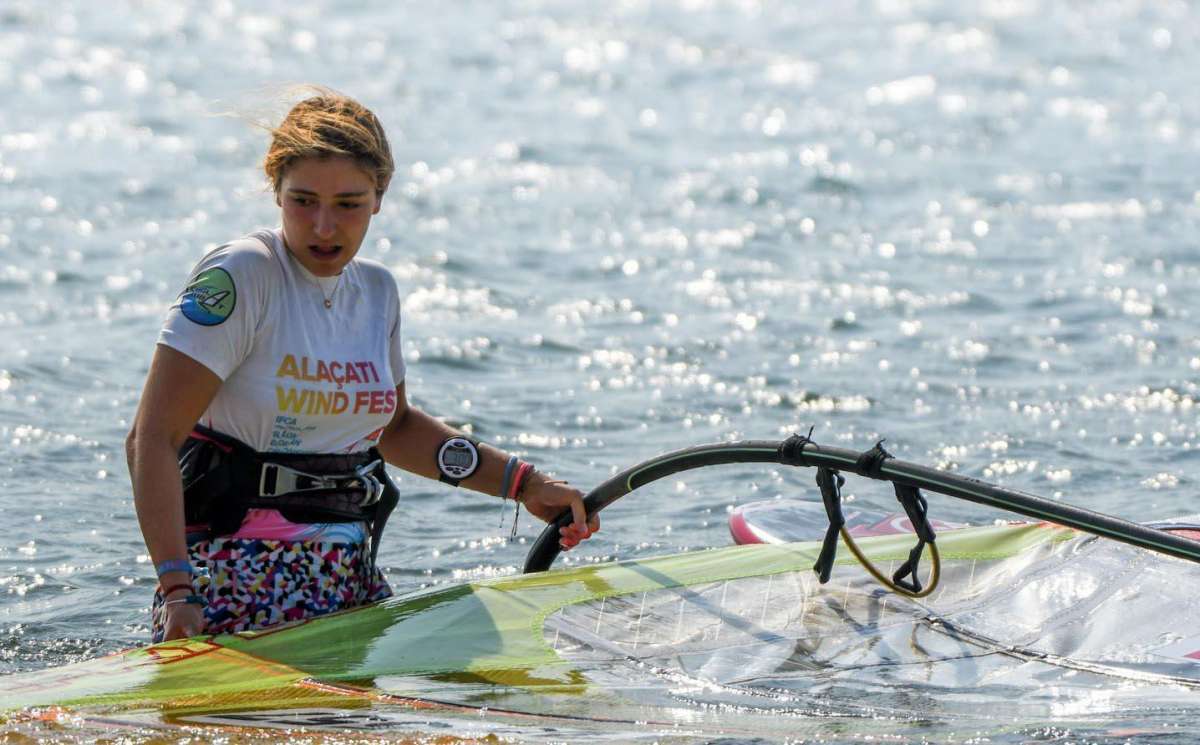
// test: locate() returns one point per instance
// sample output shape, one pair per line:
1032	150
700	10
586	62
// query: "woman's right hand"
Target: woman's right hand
183	620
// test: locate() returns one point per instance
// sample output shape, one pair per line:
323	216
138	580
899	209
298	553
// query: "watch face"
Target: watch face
458	458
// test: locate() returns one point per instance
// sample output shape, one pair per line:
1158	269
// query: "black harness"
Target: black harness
224	477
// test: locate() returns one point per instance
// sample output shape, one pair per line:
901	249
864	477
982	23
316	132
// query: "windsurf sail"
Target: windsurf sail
1034	624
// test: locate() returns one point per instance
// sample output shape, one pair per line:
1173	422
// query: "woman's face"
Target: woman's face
327	207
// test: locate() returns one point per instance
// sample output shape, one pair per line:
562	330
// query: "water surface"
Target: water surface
620	229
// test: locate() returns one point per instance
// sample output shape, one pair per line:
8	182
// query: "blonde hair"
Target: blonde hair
326	124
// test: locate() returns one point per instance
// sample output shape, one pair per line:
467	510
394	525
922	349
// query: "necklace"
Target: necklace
321	282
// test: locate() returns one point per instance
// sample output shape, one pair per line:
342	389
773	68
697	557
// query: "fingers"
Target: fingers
548	501
179	632
183	622
580	529
579	513
571	535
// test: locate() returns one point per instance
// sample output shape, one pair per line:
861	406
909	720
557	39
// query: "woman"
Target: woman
277	385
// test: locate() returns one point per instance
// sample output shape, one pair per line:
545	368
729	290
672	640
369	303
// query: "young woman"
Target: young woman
275	392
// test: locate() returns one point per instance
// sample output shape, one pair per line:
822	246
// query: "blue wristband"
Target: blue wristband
509	468
174	565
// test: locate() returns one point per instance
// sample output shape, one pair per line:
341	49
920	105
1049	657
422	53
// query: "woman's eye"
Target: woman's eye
351	205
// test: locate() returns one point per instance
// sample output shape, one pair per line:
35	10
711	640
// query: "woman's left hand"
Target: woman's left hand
545	499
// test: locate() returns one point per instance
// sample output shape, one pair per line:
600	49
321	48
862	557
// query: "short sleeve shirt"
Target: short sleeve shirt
297	376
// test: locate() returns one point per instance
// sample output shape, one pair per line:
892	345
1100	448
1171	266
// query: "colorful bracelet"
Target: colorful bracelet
179	586
189	600
174	565
518	484
508	474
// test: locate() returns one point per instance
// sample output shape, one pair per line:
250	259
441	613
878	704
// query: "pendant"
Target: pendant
328	303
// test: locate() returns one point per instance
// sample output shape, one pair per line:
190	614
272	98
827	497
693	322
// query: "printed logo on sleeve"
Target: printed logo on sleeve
210	298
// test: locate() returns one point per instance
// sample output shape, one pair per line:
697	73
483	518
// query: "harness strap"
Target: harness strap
830	482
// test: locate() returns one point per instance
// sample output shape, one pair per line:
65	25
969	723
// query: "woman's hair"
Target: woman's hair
326	124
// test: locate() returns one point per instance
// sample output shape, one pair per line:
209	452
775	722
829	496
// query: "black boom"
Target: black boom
799	450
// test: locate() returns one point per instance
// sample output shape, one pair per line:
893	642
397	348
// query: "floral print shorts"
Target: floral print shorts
253	583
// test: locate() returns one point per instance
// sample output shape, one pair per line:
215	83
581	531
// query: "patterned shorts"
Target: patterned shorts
250	583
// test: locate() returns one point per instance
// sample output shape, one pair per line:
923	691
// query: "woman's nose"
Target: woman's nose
324	224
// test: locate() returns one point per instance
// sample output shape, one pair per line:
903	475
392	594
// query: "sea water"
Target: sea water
619	229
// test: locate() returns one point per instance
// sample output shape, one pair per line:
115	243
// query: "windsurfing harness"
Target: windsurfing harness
224	477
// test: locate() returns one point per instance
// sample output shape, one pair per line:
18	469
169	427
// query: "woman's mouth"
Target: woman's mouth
325	252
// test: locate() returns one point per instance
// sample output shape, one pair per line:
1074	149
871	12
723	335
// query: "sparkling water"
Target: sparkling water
620	229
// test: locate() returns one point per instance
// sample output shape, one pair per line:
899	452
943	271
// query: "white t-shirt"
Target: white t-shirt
297	376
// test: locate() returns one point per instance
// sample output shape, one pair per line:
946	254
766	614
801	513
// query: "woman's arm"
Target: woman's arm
411	441
178	390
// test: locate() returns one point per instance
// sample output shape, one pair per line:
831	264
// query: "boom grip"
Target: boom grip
546	549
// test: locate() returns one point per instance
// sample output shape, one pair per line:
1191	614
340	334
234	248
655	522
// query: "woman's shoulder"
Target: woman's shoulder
249	258
376	275
254	250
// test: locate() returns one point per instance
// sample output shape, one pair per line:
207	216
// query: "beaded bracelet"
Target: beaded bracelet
189	600
174	565
179	586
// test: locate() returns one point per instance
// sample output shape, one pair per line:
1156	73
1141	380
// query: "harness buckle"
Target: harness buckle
372	486
276	481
